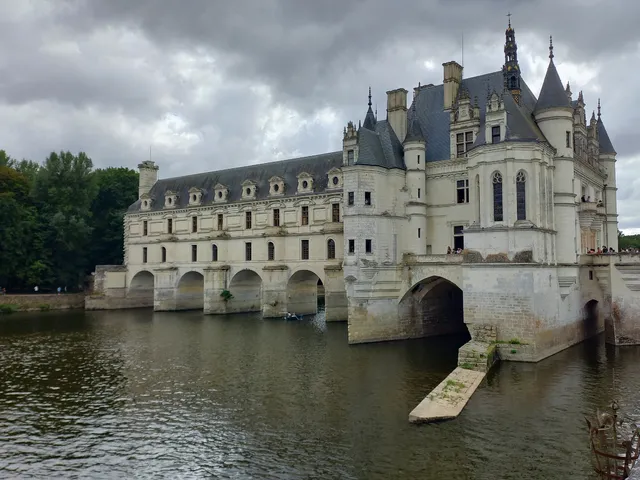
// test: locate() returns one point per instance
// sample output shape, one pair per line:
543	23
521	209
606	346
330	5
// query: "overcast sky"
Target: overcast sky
212	84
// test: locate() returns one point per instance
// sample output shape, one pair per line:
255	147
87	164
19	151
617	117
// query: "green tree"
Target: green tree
117	189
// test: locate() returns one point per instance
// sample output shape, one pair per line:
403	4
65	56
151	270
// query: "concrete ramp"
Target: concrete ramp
447	400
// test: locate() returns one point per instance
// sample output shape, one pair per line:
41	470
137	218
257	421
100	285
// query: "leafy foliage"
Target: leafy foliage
628	241
60	219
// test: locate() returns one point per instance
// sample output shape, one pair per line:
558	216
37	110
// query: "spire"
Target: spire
511	68
370	119
414	132
606	146
552	93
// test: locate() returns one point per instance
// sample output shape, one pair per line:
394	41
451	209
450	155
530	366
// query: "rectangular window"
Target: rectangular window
352	247
164	255
590	274
458	237
144	228
214	253
220	219
194	253
304	250
418	193
271	251
276	217
568	139
495	134
144	254
418	159
464	142
305	215
350	157
367	198
169	225
247	251
194	224
419	232
468	141
247	220
335	212
351	198
367	245
462	191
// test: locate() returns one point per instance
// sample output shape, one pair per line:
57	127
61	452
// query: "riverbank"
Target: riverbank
41	302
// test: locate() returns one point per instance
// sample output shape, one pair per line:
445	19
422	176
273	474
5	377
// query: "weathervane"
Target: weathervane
509	15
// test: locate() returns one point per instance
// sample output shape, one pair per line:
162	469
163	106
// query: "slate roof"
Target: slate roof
318	166
380	147
605	142
434	121
552	93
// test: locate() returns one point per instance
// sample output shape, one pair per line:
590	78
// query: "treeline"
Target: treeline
628	241
59	219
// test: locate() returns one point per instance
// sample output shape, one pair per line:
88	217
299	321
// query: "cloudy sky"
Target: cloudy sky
211	84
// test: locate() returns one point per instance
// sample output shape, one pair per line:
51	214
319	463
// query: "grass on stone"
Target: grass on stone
8	308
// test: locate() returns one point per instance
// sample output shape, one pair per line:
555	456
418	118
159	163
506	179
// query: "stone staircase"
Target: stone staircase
480	353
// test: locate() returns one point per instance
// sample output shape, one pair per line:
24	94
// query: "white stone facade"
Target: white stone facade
522	186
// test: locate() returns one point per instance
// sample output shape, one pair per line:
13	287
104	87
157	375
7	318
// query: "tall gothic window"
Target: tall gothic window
521	201
271	251
214	253
331	249
497	197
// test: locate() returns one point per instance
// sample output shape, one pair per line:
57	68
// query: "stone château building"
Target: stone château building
522	186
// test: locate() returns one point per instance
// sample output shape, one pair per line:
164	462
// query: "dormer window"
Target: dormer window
495	134
248	190
170	199
220	193
305	183
145	202
276	186
334	179
195	196
464	142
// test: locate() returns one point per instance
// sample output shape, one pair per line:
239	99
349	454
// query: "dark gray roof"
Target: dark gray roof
370	120
552	93
434	120
414	132
605	142
318	166
380	147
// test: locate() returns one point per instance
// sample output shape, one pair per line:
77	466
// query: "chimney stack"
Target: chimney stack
397	112
452	81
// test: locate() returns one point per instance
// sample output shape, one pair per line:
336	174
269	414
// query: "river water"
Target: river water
137	394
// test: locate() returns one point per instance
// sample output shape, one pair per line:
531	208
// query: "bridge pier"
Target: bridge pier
165	290
215	282
335	297
274	291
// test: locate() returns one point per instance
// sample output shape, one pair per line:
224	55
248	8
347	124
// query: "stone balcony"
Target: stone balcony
433	258
587	212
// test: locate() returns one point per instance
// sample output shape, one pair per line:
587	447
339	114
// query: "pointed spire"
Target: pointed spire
552	93
551	47
511	68
580	97
509	15
568	89
369	96
370	119
598	109
593	116
606	147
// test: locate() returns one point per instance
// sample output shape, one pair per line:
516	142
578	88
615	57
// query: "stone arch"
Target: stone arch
246	288
141	286
591	318
302	292
190	291
433	306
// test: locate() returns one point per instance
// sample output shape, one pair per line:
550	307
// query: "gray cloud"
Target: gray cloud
215	84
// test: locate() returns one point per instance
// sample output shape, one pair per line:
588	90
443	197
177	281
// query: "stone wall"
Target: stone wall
102	302
44	302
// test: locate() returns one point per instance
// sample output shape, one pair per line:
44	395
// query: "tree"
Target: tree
117	189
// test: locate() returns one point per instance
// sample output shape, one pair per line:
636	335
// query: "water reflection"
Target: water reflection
137	393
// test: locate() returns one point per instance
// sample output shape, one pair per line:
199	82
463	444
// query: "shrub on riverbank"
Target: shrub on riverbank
8	308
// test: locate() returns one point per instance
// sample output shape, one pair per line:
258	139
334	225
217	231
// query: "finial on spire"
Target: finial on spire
550	47
509	15
598	109
376	111
369	96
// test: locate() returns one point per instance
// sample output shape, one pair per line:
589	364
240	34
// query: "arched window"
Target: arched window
164	254
497	197
271	251
478	199
521	195
214	253
331	249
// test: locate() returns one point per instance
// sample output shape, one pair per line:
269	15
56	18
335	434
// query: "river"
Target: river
127	394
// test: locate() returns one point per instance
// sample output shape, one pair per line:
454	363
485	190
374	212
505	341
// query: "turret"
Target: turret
511	68
554	116
414	157
148	171
607	157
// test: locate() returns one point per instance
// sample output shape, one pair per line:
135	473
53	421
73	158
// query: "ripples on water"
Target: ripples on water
182	395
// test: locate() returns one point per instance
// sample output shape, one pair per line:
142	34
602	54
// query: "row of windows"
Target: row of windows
335	217
351	198
368	246
521	196
248	251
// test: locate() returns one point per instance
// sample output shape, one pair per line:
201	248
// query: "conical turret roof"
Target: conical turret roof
603	137
552	93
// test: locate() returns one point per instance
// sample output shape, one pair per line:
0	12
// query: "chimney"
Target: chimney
452	80
397	112
148	176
